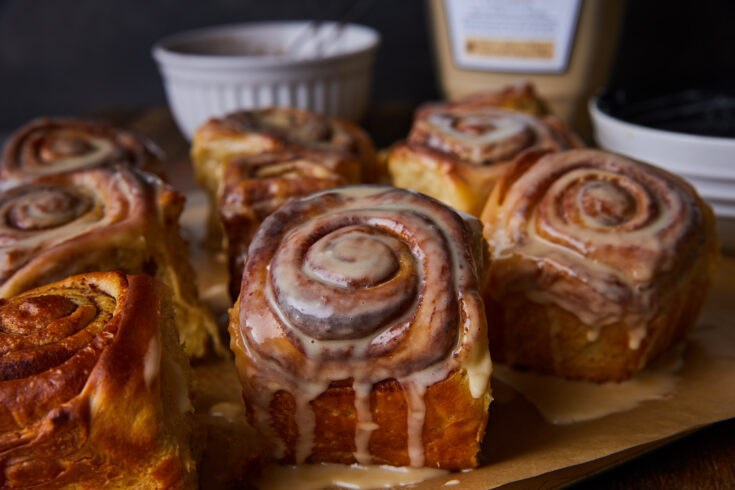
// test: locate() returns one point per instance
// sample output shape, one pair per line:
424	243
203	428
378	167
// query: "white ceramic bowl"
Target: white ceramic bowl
707	162
213	71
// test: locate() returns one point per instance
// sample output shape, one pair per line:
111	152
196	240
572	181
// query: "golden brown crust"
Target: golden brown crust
397	372
521	97
255	186
48	146
453	421
456	152
100	219
599	265
257	131
91	411
442	176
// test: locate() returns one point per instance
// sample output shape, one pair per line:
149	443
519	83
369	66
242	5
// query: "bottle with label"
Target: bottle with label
564	47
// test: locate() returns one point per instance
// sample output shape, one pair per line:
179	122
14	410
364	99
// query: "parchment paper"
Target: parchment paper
520	447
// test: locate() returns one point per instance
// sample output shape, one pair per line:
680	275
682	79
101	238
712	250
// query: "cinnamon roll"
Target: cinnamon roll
49	146
359	333
95	220
94	387
599	263
255	186
258	131
456	152
521	97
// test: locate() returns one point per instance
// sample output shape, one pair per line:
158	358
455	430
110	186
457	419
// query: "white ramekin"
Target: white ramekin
213	71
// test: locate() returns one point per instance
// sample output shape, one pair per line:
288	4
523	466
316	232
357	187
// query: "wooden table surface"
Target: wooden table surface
702	460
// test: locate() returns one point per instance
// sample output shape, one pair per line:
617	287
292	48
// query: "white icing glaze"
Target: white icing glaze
481	135
99	150
365	425
343	355
604	226
360	477
562	401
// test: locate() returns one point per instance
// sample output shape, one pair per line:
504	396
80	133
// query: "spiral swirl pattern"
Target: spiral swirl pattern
484	135
50	146
604	228
45	328
296	126
100	219
255	186
80	397
364	284
68	215
350	275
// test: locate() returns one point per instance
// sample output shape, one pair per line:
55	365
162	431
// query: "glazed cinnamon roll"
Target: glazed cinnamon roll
359	333
599	263
456	152
521	97
94	387
49	146
258	131
95	220
257	185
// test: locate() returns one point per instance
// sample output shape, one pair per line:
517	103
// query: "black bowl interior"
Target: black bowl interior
694	111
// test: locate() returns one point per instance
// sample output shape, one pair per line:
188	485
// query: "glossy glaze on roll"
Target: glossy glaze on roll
49	146
366	299
483	135
255	186
100	219
599	245
93	387
456	152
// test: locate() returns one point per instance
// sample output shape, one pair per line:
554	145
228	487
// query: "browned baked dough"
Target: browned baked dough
599	263
359	332
521	97
101	219
93	387
257	131
456	151
255	186
48	146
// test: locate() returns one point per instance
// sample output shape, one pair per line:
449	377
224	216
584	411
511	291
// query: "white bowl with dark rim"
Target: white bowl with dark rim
213	71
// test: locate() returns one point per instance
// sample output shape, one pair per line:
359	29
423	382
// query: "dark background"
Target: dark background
64	57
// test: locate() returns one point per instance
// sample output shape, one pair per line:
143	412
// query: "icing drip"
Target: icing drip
415	425
342	277
365	425
590	232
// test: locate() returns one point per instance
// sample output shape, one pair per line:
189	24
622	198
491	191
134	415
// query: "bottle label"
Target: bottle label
532	36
